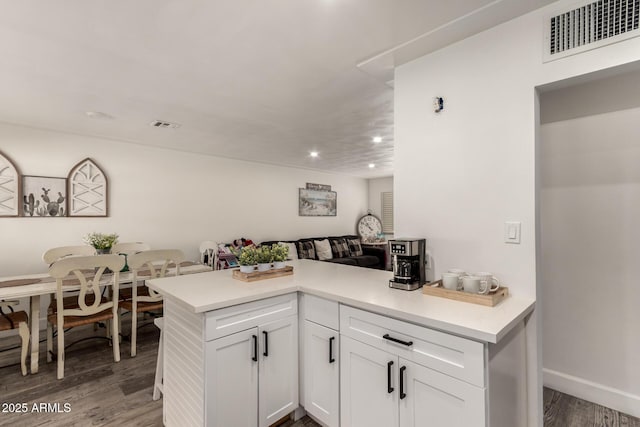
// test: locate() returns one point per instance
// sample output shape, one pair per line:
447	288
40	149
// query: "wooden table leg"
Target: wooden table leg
35	332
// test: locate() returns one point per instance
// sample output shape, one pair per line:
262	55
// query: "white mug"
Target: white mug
472	284
490	283
460	272
451	281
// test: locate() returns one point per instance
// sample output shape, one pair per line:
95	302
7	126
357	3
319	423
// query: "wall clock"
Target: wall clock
369	226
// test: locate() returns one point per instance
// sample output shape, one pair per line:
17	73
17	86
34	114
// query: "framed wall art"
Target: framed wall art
44	196
88	190
317	203
10	187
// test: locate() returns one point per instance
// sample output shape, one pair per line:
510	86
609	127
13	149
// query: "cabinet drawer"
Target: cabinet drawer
322	311
229	320
458	357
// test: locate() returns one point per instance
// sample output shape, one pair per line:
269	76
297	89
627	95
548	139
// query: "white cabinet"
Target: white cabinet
252	375
321	376
278	370
232	380
321	359
430	398
397	374
368	388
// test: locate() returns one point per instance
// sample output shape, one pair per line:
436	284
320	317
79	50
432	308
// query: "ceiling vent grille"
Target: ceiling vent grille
593	25
164	125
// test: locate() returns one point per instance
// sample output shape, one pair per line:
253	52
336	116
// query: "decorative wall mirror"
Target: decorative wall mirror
10	187
88	193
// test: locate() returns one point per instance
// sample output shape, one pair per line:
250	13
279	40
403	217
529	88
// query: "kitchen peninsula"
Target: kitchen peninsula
338	341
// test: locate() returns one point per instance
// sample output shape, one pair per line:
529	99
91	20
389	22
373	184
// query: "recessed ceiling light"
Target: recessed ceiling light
313	153
372	165
377	139
98	115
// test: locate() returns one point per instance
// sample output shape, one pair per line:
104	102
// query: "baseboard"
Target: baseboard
593	392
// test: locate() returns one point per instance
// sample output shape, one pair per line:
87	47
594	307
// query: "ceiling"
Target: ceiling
265	81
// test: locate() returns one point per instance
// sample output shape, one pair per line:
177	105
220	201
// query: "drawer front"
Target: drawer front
322	311
229	320
458	357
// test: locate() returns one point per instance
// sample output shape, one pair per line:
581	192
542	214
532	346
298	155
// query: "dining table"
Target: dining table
34	286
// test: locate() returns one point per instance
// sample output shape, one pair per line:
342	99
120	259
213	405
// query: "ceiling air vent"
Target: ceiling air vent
164	125
593	25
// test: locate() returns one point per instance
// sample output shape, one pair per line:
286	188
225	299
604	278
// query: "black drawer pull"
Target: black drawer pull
266	343
402	393
255	348
389	388
390	338
331	359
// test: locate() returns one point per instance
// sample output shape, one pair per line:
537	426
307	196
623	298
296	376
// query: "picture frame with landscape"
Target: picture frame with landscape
317	203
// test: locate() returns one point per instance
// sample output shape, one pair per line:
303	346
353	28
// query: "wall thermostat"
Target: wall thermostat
438	104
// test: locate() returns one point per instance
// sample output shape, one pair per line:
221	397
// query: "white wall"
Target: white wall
167	198
377	186
459	175
590	215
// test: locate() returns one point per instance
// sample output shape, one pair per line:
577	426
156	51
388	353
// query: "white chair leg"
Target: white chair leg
115	342
23	330
49	342
157	386
60	328
134	331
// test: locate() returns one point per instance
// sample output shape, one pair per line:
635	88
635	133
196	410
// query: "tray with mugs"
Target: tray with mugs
478	288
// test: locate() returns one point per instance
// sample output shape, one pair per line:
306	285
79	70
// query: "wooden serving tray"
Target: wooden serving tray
262	275
490	299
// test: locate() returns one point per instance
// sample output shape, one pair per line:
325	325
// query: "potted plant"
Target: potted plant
263	255
279	254
247	259
102	242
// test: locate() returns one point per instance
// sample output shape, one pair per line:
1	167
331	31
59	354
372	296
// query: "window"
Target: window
387	212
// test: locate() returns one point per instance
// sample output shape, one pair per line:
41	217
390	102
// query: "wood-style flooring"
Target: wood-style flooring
103	393
562	410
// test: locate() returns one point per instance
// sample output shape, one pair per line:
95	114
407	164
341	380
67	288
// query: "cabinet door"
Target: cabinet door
232	380
368	385
322	379
432	399
278	385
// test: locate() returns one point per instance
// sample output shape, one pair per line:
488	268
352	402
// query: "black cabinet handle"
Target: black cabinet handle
266	343
255	348
331	359
389	388
390	338
402	393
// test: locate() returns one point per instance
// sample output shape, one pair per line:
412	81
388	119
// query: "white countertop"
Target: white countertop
363	288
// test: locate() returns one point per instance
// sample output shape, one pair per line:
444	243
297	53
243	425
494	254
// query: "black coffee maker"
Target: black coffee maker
408	263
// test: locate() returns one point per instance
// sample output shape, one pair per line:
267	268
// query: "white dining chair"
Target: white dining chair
90	306
55	254
209	253
148	265
16	320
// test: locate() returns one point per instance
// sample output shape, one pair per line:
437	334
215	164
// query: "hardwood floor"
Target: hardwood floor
562	410
100	392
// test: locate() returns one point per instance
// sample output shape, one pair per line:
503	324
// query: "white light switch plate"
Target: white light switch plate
512	232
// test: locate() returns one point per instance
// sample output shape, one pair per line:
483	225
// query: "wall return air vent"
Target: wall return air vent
592	25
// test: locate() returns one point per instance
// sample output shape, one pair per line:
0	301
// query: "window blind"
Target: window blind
387	212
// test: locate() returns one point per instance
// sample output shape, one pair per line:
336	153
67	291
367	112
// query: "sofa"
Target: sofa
340	249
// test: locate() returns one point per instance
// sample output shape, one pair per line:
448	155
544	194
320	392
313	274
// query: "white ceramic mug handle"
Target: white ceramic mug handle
496	282
487	286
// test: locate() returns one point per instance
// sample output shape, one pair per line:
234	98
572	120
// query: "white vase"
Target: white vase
277	265
247	268
264	266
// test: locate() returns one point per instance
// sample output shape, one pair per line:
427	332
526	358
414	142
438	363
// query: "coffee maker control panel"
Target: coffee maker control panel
406	247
